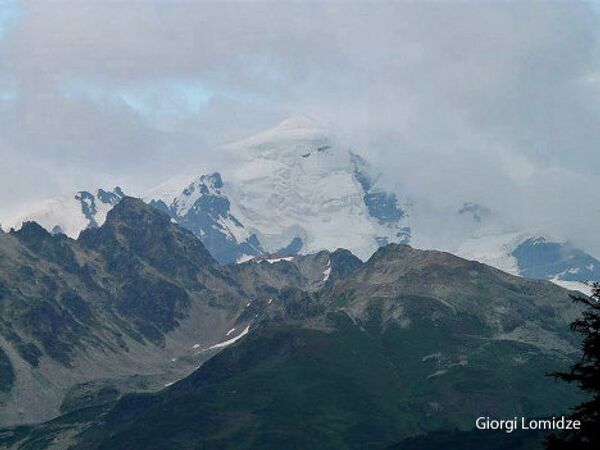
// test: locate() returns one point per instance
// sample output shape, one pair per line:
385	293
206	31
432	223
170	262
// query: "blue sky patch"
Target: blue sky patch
9	14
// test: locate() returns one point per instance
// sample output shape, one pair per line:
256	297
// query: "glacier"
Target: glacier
292	189
295	189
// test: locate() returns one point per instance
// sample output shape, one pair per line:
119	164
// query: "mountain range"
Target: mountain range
134	336
293	189
223	310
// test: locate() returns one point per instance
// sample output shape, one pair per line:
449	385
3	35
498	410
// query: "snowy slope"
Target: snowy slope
291	189
494	250
295	189
533	255
169	189
295	182
72	213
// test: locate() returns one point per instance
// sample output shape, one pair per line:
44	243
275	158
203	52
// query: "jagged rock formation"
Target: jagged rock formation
294	189
364	354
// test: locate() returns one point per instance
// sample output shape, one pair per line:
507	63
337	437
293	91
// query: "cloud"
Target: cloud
458	101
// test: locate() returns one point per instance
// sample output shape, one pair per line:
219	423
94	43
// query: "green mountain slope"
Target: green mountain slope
408	343
132	336
289	387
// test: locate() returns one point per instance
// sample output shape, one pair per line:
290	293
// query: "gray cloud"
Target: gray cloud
481	101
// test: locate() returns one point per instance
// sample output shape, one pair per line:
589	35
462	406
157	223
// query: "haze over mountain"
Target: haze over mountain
272	225
493	103
296	188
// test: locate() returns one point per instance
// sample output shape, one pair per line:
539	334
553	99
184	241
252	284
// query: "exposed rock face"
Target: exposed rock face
292	189
295	189
123	300
364	354
203	208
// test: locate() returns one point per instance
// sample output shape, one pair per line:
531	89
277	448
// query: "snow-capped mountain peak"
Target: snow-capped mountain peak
295	182
299	122
295	189
294	137
202	186
530	253
290	189
70	214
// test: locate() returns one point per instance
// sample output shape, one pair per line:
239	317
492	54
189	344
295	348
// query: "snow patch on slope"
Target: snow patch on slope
276	260
230	341
584	288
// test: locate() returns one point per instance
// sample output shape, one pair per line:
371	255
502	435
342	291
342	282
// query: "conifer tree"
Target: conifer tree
586	374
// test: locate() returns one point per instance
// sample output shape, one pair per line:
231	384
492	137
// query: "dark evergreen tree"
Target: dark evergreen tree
586	373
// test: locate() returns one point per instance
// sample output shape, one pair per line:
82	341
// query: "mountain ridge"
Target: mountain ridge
407	342
294	186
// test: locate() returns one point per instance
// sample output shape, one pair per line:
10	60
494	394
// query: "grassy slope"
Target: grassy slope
474	440
297	388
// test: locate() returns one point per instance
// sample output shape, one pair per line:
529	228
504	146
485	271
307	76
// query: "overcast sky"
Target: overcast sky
491	102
